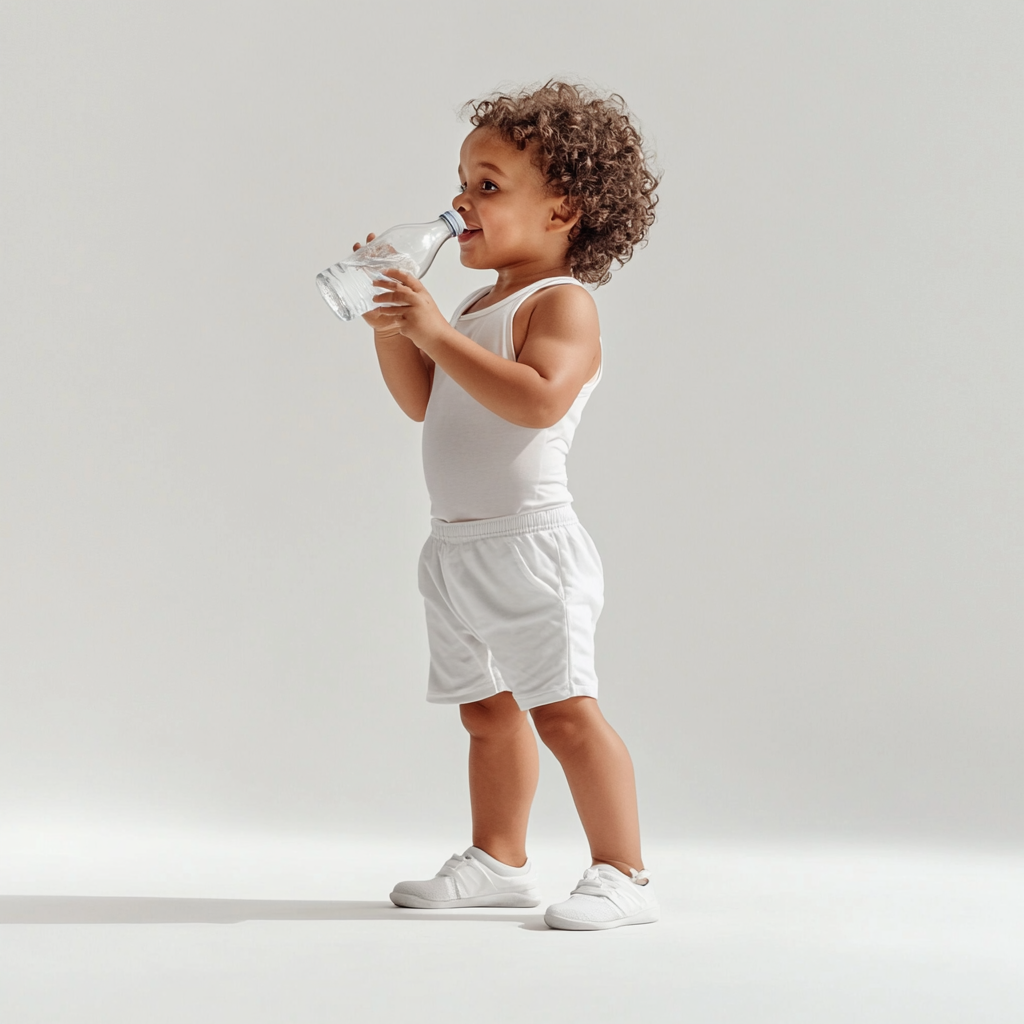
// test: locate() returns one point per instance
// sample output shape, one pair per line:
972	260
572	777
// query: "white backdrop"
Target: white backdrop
803	466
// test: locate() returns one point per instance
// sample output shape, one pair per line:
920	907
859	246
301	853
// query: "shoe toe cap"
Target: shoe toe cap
583	908
439	889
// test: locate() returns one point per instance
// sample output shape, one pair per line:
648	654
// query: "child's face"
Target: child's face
513	218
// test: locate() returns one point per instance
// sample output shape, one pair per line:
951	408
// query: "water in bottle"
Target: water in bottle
347	286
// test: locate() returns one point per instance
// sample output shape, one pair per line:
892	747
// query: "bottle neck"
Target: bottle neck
456	225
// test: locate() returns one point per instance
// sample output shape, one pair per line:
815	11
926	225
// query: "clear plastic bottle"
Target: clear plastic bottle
347	286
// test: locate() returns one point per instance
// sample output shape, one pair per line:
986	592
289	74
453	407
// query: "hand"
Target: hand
410	306
382	326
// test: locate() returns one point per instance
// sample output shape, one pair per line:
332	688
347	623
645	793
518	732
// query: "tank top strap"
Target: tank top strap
468	301
532	289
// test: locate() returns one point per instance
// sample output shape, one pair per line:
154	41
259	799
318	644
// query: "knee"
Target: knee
491	717
561	727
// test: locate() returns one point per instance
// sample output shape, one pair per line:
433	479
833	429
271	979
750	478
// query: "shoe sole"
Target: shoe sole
647	916
520	900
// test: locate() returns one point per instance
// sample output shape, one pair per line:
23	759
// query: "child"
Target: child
554	187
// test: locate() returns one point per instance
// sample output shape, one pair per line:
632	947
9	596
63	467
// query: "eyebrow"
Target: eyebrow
493	167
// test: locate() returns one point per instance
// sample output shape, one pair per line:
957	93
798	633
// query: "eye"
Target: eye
488	186
462	187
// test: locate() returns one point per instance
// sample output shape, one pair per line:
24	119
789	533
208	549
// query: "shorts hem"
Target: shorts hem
525	704
460	698
554	696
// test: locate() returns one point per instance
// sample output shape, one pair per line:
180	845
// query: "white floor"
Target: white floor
152	929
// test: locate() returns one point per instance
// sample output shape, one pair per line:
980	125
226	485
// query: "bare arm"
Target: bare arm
406	372
560	353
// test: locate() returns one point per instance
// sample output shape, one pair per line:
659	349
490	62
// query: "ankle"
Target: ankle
512	856
626	868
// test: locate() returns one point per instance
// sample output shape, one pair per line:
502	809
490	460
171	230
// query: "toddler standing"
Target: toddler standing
554	187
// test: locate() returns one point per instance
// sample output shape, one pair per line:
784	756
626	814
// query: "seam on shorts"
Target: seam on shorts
527	573
565	617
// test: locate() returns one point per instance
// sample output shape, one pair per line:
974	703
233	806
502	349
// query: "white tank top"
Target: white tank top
478	465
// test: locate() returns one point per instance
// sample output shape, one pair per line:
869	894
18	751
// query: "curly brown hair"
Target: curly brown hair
591	153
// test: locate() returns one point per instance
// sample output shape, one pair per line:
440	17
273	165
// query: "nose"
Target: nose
459	203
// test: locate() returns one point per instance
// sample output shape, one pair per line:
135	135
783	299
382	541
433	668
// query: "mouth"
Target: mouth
468	235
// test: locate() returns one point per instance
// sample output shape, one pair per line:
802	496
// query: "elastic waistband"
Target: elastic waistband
504	526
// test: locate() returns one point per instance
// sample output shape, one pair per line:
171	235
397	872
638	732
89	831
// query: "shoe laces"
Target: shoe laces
593	883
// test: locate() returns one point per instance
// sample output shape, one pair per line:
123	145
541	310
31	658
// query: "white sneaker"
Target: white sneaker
471	879
605	898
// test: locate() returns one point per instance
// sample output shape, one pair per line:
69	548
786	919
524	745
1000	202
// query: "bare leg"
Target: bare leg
599	771
503	769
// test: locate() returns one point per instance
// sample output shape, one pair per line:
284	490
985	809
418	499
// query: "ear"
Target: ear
564	215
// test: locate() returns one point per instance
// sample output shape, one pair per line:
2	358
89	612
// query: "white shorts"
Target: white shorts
511	604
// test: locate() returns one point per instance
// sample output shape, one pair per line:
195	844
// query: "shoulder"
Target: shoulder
562	306
565	296
562	317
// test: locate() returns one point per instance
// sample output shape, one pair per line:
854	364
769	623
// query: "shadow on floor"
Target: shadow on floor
172	910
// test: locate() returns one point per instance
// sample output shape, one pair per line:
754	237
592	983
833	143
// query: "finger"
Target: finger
370	237
403	277
390	286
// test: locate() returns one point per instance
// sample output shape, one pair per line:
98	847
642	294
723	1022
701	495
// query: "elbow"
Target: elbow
545	406
541	416
416	409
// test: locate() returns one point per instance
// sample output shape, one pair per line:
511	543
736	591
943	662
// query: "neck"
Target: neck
512	279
